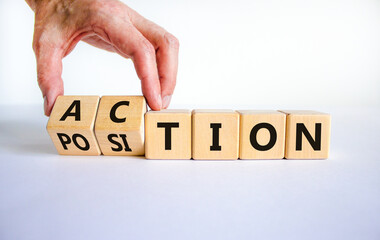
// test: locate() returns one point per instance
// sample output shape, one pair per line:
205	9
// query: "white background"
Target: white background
46	196
322	55
243	53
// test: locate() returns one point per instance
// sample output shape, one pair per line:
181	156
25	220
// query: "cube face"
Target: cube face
262	134
119	126
71	125
307	135
168	134
215	134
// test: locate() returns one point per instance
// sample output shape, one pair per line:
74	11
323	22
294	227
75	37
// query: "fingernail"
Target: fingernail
159	102
166	101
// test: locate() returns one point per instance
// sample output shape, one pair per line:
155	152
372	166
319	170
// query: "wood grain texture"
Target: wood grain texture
74	132
177	123
226	123
311	120
123	135
250	121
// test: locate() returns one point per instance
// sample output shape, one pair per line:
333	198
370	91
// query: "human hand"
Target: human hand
109	25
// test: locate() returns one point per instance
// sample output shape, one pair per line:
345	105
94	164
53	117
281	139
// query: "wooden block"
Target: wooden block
168	134
262	134
71	125
307	135
215	134
119	125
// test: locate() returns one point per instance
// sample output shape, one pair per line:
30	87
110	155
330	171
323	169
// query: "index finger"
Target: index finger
167	48
129	42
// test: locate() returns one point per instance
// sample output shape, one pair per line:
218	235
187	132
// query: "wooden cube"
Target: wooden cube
307	135
262	134
119	125
168	134
71	125
215	134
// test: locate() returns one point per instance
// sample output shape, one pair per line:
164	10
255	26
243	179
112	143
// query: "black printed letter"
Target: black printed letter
215	136
315	144
113	112
64	142
87	145
272	140
168	132
76	113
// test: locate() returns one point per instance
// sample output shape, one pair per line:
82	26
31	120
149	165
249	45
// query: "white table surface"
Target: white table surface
47	196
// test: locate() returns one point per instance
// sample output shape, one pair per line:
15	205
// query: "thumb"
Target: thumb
49	71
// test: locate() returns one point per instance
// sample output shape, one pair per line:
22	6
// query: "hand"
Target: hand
109	25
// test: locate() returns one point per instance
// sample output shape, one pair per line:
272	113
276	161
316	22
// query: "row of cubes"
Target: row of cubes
121	125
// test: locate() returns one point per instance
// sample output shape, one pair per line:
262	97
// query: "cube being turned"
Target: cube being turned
119	125
262	134
307	134
71	125
168	134
215	134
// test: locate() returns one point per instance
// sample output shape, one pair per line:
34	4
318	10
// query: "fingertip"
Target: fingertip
155	103
49	101
46	107
48	104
